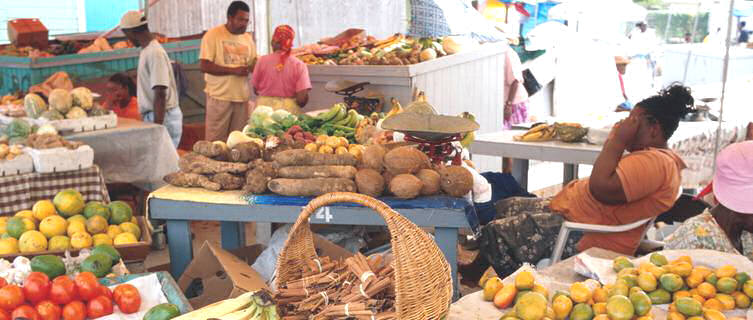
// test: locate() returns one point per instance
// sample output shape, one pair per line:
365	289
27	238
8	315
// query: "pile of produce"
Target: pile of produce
67	223
397	49
219	165
248	306
300	130
63	104
565	132
82	297
359	287
8	153
101	44
692	292
12	105
305	173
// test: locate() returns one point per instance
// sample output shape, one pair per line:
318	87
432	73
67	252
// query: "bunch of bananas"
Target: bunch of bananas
248	306
339	115
468	137
541	132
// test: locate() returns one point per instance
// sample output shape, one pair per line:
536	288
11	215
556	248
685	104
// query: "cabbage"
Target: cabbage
60	100
18	129
268	122
47	129
52	115
260	114
82	97
76	113
34	105
279	115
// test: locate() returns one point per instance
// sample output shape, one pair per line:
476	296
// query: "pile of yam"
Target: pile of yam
214	166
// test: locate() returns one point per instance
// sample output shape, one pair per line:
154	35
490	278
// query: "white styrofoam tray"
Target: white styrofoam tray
62	159
76	125
19	165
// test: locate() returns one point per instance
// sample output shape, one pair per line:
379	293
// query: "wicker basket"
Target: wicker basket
423	284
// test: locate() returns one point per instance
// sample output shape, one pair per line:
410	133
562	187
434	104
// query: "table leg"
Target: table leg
570	173
520	172
233	235
263	232
447	241
180	245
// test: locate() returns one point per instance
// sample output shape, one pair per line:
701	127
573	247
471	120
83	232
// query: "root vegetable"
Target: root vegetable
388	176
228	181
217	150
257	179
370	182
305	172
188	180
406	186
373	158
301	157
431	182
311	187
245	152
196	163
456	181
405	160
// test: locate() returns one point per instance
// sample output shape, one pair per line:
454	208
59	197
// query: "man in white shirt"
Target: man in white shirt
156	88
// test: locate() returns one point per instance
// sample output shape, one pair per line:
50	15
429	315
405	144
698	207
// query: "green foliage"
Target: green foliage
679	25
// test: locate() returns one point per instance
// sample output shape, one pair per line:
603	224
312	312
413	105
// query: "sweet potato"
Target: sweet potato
370	182
305	172
245	152
182	179
196	163
228	181
301	157
310	187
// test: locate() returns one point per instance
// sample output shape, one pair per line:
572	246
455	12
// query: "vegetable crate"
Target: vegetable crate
128	252
169	287
61	159
20	165
19	73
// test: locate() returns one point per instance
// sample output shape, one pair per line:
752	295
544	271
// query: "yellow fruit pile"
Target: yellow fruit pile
334	145
692	292
45	227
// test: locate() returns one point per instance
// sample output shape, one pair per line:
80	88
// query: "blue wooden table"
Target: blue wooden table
179	206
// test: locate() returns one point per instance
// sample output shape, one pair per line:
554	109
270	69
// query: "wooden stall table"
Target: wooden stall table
20	192
135	152
693	141
179	206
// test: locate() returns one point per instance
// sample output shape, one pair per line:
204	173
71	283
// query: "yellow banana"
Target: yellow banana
396	108
536	136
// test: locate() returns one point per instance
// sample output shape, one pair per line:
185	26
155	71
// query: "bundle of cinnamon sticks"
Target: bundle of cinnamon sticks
355	288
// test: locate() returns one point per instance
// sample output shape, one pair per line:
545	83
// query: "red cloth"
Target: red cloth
284	36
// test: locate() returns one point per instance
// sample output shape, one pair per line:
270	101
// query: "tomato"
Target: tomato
87	285
99	307
11	296
3	283
26	312
105	291
4	315
63	290
36	287
127	298
48	310
75	310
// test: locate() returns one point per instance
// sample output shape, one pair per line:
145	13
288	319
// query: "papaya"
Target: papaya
726	285
658	259
671	282
165	311
620	263
531	306
50	265
114	255
689	307
582	311
620	308
660	296
641	303
98	264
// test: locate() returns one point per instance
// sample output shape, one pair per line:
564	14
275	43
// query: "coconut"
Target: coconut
373	158
456	181
430	180
370	182
404	160
406	186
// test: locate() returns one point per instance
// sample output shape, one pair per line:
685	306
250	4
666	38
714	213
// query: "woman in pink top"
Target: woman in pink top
280	80
516	96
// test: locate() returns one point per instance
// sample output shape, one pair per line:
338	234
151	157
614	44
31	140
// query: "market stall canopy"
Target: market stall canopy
624	10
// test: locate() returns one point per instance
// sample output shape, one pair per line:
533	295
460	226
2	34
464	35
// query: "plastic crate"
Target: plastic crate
62	159
18	73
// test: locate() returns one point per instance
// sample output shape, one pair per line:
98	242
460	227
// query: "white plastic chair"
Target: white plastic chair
568	226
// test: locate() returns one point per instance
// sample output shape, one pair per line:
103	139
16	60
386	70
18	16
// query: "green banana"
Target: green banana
353	122
329	114
344	121
341	114
469	137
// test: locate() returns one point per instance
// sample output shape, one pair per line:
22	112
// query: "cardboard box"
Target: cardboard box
215	274
28	32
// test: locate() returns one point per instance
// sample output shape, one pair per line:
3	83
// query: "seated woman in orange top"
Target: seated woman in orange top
623	188
121	97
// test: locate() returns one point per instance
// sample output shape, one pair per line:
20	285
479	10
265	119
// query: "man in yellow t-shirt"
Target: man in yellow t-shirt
228	54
